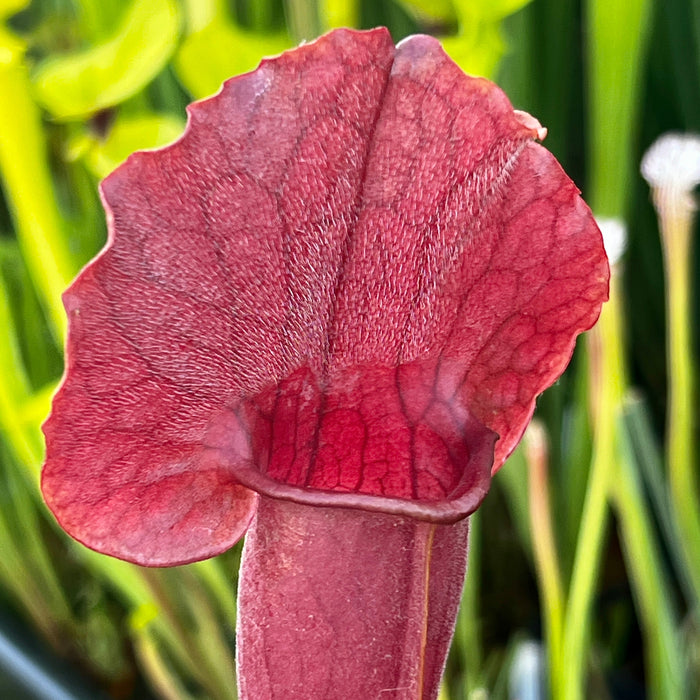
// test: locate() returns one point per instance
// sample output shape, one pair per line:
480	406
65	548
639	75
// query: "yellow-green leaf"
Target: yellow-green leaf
433	10
131	134
220	50
490	10
11	7
198	13
80	83
340	13
477	50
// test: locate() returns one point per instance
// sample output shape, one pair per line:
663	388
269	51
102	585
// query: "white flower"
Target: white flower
614	232
673	163
527	671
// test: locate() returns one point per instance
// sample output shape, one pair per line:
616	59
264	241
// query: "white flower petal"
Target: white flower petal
614	232
673	160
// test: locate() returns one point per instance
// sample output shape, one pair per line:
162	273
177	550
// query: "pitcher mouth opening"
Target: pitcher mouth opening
383	439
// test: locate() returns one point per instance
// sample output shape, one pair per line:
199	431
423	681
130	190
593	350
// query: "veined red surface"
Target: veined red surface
352	274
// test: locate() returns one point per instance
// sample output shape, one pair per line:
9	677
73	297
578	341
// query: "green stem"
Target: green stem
218	664
585	574
193	630
468	618
162	677
133	586
647	578
648	457
15	391
26	567
616	33
545	552
29	189
303	19
607	386
617	38
219	586
664	655
676	220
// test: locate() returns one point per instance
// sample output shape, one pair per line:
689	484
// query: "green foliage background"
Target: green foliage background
587	556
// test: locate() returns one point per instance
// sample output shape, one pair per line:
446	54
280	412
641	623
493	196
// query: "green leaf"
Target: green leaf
129	134
339	13
29	188
490	10
431	10
11	7
617	33
97	19
498	9
40	355
477	49
24	444
220	50
199	13
27	567
81	83
478	45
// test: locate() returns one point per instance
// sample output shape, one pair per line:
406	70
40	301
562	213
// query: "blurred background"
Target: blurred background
584	572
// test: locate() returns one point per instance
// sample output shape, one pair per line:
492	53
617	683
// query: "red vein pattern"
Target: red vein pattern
352	274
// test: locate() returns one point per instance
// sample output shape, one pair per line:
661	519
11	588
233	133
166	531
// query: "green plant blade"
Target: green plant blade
130	134
220	50
29	187
82	83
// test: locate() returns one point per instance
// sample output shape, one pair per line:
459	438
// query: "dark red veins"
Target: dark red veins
284	288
